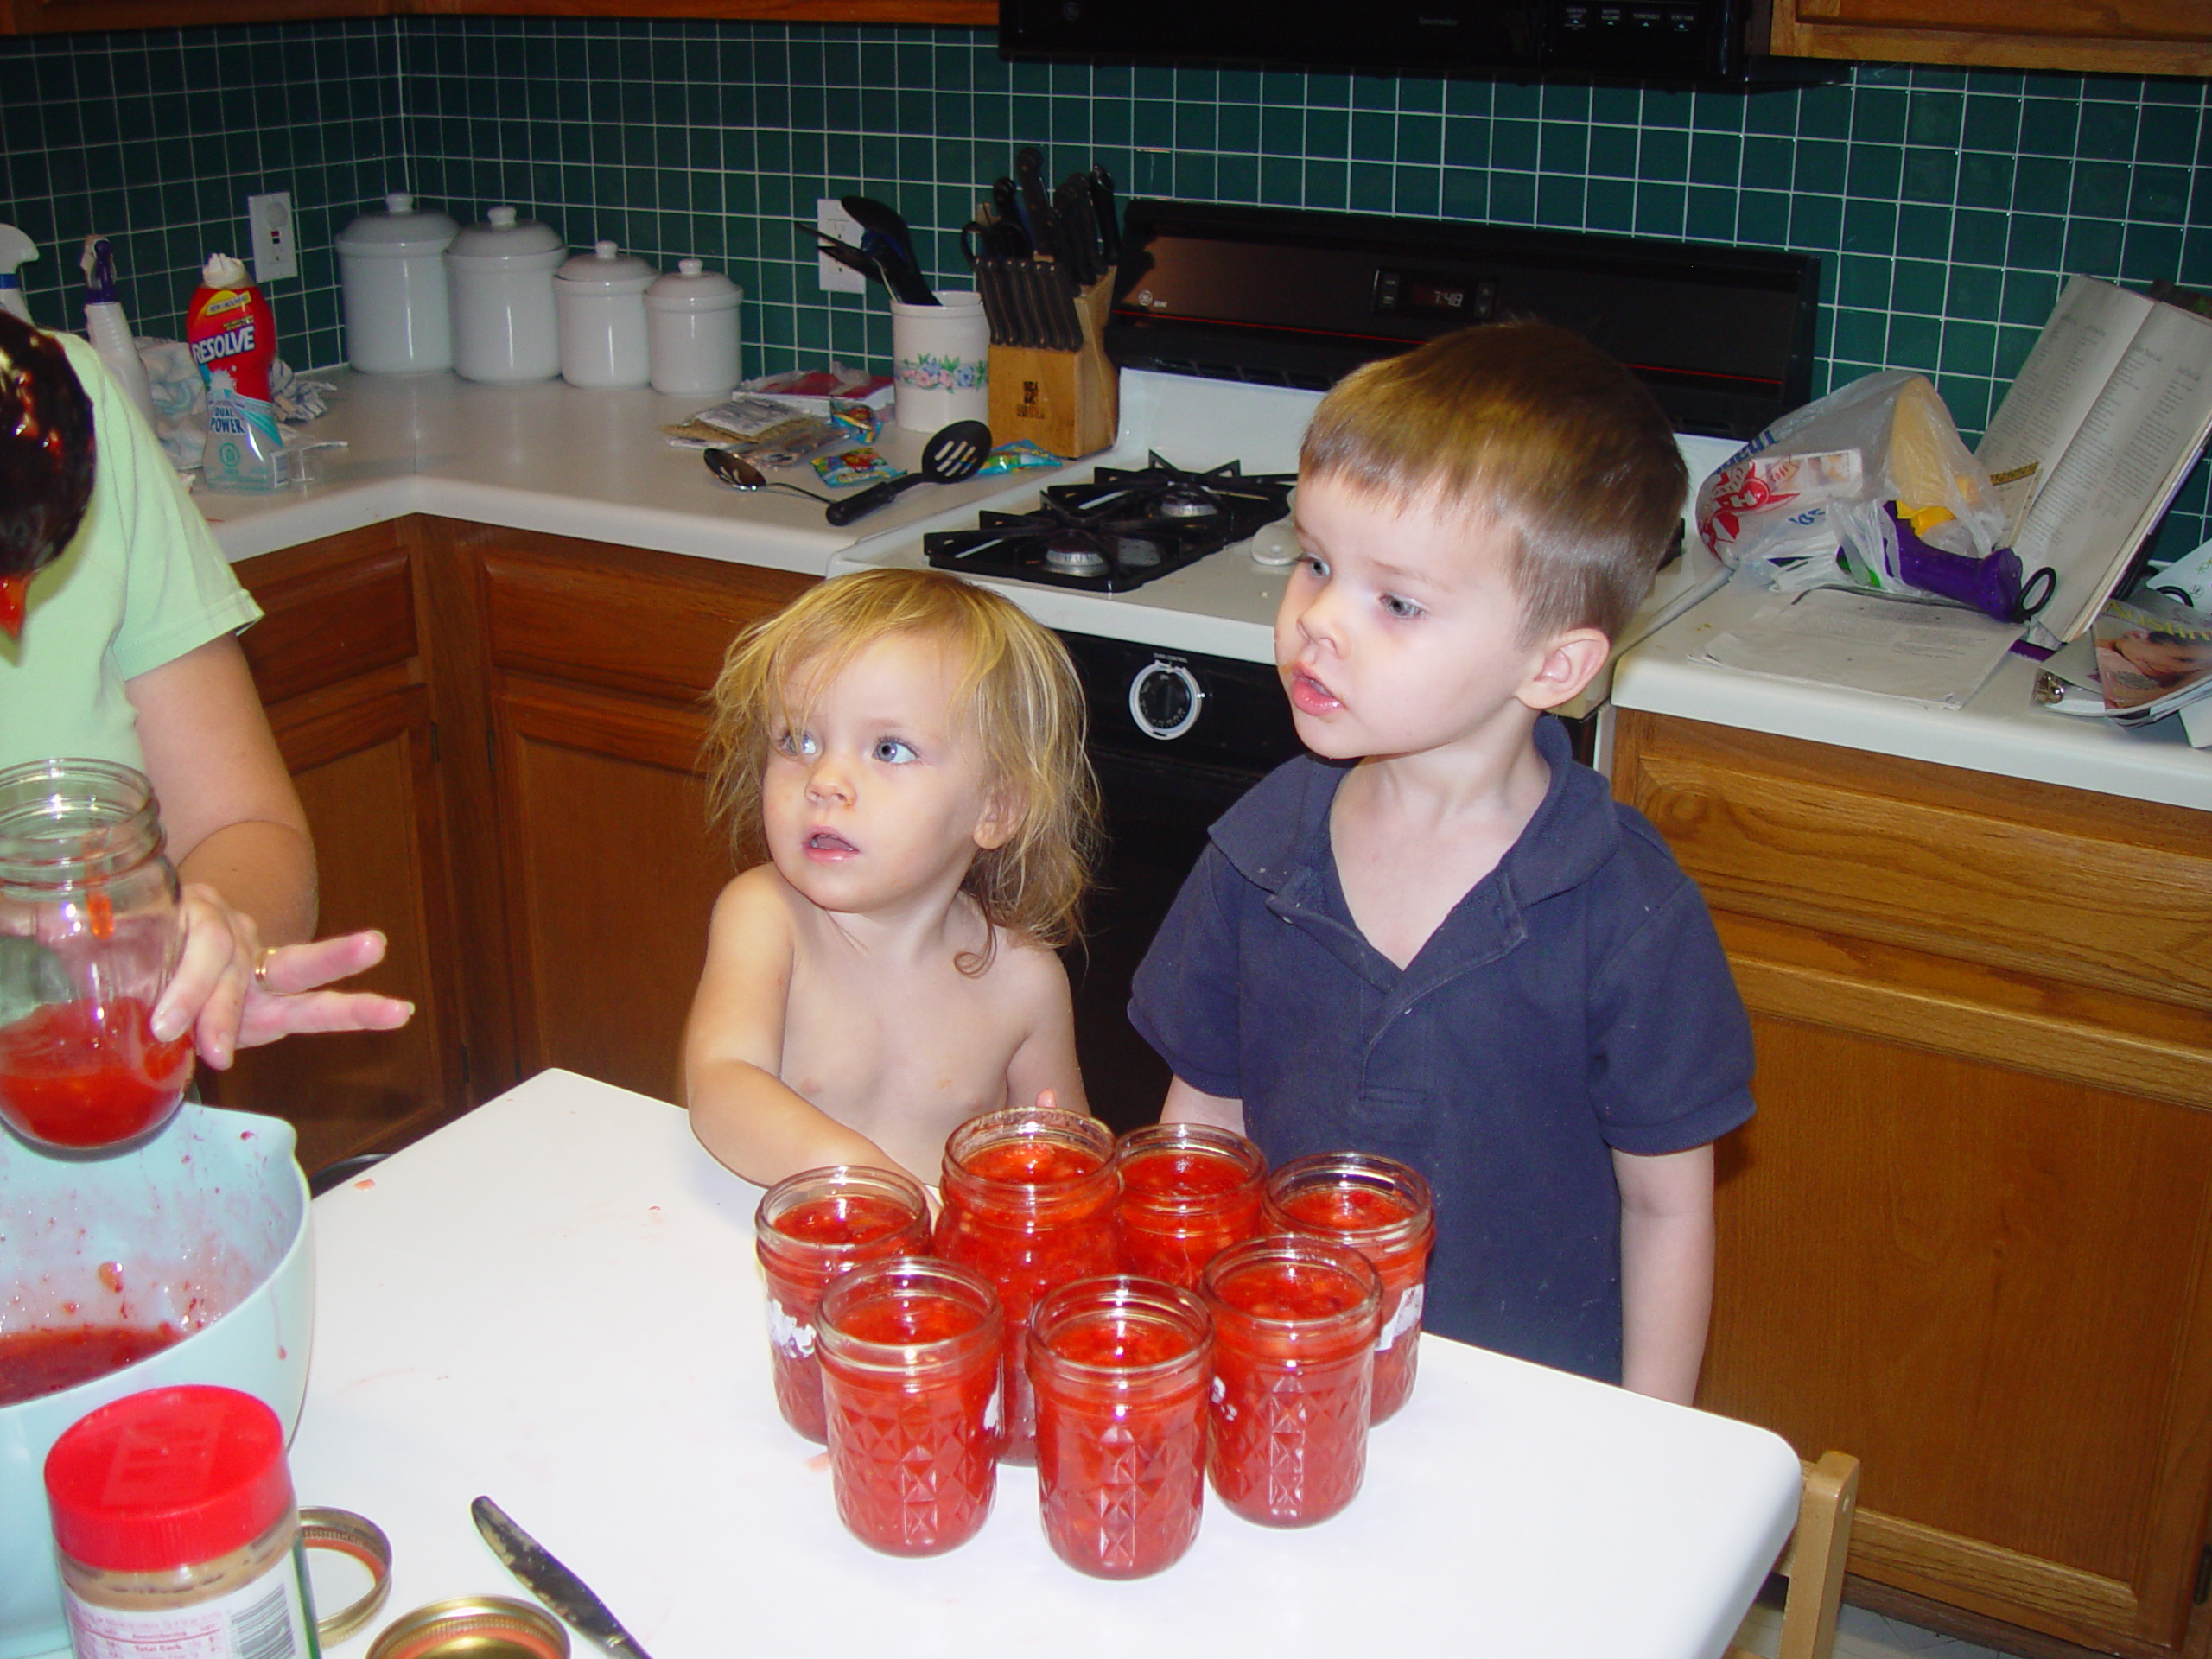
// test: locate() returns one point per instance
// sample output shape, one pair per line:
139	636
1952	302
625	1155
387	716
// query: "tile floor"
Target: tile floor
1862	1635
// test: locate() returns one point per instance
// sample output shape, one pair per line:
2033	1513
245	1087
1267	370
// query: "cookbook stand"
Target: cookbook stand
1066	403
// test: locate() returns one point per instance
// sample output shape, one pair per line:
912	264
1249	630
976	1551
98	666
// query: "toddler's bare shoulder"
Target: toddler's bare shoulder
1021	967
760	899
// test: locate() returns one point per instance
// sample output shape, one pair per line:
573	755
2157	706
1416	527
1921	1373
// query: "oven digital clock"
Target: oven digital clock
1404	294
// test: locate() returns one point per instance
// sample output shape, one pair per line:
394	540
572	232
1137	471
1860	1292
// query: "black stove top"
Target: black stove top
1119	529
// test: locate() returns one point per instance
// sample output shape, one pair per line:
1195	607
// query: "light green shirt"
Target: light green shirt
142	584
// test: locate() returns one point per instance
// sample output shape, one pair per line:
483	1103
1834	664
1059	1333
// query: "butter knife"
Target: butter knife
550	1582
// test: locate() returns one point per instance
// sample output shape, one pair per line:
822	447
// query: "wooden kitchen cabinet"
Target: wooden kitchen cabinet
1967	1236
56	16
594	664
2132	38
342	669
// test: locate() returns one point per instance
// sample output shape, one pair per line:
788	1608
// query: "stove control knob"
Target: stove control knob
1164	698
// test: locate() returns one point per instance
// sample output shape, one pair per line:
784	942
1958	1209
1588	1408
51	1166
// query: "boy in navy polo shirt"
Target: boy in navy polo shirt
1442	940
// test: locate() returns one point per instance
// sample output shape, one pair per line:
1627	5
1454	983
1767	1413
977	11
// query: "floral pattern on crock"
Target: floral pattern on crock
929	372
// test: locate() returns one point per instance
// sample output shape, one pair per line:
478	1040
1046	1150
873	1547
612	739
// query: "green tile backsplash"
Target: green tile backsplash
1947	206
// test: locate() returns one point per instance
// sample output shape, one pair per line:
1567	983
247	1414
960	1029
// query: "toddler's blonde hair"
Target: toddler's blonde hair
1016	694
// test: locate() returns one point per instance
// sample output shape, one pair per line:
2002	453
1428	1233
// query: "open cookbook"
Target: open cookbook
2104	421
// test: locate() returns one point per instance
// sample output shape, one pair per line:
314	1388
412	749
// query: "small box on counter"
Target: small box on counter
1051	382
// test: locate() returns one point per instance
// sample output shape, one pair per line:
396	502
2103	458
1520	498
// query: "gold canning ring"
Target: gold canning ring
362	1539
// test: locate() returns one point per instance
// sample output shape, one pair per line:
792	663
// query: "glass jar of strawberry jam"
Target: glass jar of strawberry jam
89	933
1120	1366
1294	1321
910	1351
809	1228
1028	1203
1383	1209
1189	1191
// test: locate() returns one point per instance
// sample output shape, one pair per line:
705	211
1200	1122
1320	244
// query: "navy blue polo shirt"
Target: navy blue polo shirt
1576	1000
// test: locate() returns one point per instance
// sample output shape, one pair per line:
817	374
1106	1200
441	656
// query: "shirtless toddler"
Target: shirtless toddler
899	759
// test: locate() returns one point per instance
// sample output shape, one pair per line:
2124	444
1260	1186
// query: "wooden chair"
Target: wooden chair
1812	1560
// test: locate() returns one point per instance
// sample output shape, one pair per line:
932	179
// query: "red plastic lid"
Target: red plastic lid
168	1479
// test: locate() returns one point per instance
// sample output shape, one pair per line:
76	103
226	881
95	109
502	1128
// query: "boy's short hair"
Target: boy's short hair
1017	695
1531	428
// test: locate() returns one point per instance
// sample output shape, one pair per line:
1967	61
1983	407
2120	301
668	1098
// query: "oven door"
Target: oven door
1176	739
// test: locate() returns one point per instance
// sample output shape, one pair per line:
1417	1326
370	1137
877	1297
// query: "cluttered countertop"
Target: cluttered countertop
554	458
547	456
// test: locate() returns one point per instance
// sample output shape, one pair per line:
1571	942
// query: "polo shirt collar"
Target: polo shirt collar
1277	837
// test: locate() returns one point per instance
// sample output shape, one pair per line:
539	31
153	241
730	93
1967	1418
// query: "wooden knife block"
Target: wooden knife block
1068	403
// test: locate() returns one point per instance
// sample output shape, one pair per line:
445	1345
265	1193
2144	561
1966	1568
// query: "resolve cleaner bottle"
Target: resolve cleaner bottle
233	339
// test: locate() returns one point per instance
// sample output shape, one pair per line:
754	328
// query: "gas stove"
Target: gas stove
1118	530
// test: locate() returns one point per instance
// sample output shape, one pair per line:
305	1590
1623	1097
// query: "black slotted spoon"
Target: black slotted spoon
953	453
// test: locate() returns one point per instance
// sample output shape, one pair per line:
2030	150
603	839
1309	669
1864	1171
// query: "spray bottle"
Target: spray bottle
15	249
233	339
110	330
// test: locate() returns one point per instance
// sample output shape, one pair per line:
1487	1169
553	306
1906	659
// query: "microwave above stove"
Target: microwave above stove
1713	44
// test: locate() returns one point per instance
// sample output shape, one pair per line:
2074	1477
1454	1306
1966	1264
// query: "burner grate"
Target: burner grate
1120	528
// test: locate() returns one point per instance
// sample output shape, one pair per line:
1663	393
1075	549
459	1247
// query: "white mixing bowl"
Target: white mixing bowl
207	1221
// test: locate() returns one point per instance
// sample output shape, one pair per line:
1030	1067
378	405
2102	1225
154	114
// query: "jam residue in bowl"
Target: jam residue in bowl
37	1362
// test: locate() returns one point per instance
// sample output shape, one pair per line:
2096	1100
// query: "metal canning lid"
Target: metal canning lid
356	1535
473	1627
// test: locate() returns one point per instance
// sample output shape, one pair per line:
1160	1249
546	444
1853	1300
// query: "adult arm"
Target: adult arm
742	1109
1187	1105
1666	1269
238	838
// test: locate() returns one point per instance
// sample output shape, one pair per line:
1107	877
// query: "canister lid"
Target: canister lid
400	229
503	236
691	287
167	1478
607	270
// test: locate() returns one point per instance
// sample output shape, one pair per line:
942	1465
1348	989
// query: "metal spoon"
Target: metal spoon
742	475
953	453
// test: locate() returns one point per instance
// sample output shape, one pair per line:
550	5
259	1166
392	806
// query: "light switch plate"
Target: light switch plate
275	253
831	219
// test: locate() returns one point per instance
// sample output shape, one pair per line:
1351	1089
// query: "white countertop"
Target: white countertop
547	457
2000	730
554	1301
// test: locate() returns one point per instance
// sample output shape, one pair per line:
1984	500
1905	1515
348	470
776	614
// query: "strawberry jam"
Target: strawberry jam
1189	1191
809	1228
910	1384
35	1363
1294	1324
1120	1366
90	1073
1028	1205
1383	1208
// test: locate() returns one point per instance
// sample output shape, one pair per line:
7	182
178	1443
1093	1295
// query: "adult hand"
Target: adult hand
216	993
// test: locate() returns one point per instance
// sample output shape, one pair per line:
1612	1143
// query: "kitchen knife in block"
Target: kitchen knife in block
1068	403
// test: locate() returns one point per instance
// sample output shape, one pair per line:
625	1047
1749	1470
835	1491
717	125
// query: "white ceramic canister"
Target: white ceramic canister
501	273
392	288
941	356
601	299
692	331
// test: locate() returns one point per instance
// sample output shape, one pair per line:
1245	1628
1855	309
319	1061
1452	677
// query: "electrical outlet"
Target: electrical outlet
275	253
831	219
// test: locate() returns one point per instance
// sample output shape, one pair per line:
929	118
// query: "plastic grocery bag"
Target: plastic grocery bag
1868	487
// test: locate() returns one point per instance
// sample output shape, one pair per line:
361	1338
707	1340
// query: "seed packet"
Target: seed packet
861	466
